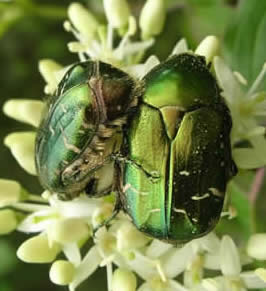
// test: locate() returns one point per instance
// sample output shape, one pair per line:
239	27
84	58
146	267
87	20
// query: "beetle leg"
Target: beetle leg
152	175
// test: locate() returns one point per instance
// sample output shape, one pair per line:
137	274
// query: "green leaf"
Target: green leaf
245	41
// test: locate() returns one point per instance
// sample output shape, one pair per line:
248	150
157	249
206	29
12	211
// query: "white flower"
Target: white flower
245	106
62	272
233	278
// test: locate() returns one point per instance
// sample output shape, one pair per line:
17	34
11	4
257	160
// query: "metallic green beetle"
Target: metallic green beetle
178	153
82	129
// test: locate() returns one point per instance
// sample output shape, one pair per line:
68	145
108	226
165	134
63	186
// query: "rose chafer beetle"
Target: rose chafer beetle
169	163
178	152
82	129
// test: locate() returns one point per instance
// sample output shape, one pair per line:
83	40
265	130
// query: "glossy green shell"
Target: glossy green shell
82	128
178	152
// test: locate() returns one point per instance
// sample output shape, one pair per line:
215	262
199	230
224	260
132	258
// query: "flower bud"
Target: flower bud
8	221
10	192
68	230
62	272
208	48
256	247
29	111
48	68
83	20
152	18
22	146
38	250
124	280
117	12
261	273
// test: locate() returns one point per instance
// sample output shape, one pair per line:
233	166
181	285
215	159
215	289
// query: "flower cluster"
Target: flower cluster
66	227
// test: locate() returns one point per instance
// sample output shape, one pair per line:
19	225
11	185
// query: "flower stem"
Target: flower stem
256	186
36	198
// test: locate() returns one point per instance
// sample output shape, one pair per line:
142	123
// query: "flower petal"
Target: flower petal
48	69
175	261
8	221
38	221
227	80
211	284
229	257
177	286
180	48
10	192
256	247
145	287
157	248
212	262
124	280
88	265
22	145
81	207
254	280
72	253
209	243
37	250
29	111
128	237
208	48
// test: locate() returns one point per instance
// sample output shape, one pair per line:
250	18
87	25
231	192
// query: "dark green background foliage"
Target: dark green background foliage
32	29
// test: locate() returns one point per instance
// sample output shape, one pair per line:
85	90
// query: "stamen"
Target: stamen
257	82
109	269
160	271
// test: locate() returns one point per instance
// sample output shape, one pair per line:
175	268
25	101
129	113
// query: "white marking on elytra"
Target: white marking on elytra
129	186
194	219
155	210
178	210
69	146
63	108
216	192
204	196
184	173
51	130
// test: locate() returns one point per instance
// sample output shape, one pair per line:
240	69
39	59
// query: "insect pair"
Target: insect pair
161	143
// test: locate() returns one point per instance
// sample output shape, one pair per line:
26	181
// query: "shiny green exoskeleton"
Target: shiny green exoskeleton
178	152
82	128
